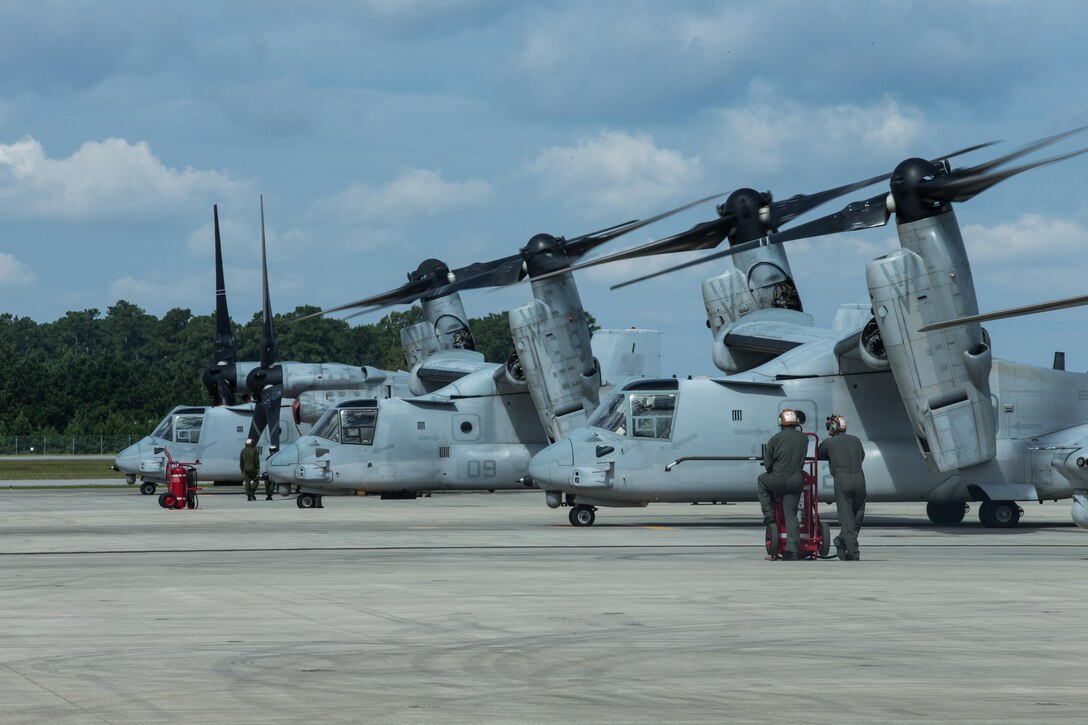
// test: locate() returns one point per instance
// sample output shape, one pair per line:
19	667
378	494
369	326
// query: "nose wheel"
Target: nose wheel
582	515
147	488
309	501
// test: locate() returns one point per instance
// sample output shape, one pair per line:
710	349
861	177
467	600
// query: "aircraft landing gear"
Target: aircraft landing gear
582	515
999	514
309	501
147	488
946	513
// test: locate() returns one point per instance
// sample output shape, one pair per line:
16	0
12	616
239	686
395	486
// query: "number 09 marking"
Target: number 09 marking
482	469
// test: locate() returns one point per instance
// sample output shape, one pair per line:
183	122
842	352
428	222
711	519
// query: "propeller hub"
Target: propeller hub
260	378
544	253
745	207
432	270
220	381
906	185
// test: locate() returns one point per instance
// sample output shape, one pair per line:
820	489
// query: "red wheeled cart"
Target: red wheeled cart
181	485
815	534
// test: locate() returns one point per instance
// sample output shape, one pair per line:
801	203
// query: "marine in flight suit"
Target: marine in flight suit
784	459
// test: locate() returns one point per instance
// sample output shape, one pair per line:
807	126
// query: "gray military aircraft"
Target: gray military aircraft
941	421
211	436
471	425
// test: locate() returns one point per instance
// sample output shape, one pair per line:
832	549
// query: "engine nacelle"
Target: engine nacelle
871	347
553	347
727	299
943	376
301	377
445	327
731	296
419	343
513	373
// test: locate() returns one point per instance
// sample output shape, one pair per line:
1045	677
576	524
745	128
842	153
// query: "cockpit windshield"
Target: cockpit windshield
328	426
612	415
637	414
651	415
351	426
187	428
165	429
357	426
179	428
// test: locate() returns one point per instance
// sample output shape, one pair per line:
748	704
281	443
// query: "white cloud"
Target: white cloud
413	192
770	132
101	179
615	172
160	293
1032	235
14	273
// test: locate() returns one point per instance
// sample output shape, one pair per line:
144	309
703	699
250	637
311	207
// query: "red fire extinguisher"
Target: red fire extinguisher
181	485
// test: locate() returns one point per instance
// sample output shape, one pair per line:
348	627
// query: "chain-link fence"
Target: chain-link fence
62	445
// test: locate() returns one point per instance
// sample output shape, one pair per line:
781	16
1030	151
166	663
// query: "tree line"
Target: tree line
120	373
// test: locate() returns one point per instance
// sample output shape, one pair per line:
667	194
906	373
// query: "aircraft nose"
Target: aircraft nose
550	469
281	465
128	460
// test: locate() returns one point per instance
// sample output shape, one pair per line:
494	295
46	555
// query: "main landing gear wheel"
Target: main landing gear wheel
582	515
147	489
946	513
825	539
999	514
773	537
308	501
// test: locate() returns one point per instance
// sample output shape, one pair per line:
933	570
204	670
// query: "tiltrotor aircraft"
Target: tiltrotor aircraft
941	421
472	425
211	436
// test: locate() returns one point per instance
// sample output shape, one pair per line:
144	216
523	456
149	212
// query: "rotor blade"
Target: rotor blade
958	186
224	335
269	353
578	246
872	212
857	215
1011	312
701	236
967	150
497	273
788	209
1035	146
736	248
271	398
407	292
257	425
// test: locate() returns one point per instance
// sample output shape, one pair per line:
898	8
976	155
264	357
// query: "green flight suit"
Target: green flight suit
249	462
784	459
844	454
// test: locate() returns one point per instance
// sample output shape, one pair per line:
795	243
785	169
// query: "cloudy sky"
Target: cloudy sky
383	132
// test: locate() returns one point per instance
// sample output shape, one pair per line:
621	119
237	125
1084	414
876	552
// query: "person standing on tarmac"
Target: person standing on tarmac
249	463
844	454
784	459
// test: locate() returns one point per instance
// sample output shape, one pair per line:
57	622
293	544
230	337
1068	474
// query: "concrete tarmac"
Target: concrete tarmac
491	608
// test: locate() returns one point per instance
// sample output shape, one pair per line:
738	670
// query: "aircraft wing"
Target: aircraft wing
776	337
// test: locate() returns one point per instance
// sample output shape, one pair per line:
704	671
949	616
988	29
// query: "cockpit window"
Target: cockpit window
612	415
187	428
638	414
357	426
651	415
165	429
328	426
